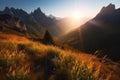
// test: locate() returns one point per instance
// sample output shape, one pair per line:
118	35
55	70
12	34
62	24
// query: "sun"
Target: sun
76	15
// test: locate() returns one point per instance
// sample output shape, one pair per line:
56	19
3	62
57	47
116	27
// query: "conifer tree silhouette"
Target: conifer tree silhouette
48	38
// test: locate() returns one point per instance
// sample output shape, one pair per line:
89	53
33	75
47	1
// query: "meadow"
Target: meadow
23	59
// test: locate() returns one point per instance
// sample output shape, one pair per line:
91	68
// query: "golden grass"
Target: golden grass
13	38
22	59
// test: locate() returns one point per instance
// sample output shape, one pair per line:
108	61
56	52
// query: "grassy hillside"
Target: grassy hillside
22	59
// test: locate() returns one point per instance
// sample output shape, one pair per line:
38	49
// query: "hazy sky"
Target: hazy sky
61	8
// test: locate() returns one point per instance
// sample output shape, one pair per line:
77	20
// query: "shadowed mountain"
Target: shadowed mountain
12	24
34	21
33	27
40	17
100	33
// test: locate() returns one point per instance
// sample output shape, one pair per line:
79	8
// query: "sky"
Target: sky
60	8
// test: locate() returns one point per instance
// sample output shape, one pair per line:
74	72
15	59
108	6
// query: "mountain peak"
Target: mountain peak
111	6
38	10
7	9
108	9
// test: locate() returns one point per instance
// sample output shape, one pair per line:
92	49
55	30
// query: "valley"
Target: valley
36	45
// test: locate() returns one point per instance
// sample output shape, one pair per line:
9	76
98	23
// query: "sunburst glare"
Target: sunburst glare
76	15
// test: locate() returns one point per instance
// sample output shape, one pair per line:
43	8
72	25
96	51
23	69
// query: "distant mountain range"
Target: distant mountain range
31	25
35	22
100	33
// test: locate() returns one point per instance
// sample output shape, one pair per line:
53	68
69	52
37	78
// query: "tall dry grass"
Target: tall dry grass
26	60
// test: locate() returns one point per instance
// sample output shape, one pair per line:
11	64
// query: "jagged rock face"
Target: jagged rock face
42	18
39	16
19	13
14	22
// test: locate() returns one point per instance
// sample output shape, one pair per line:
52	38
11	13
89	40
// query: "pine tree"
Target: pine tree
48	38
